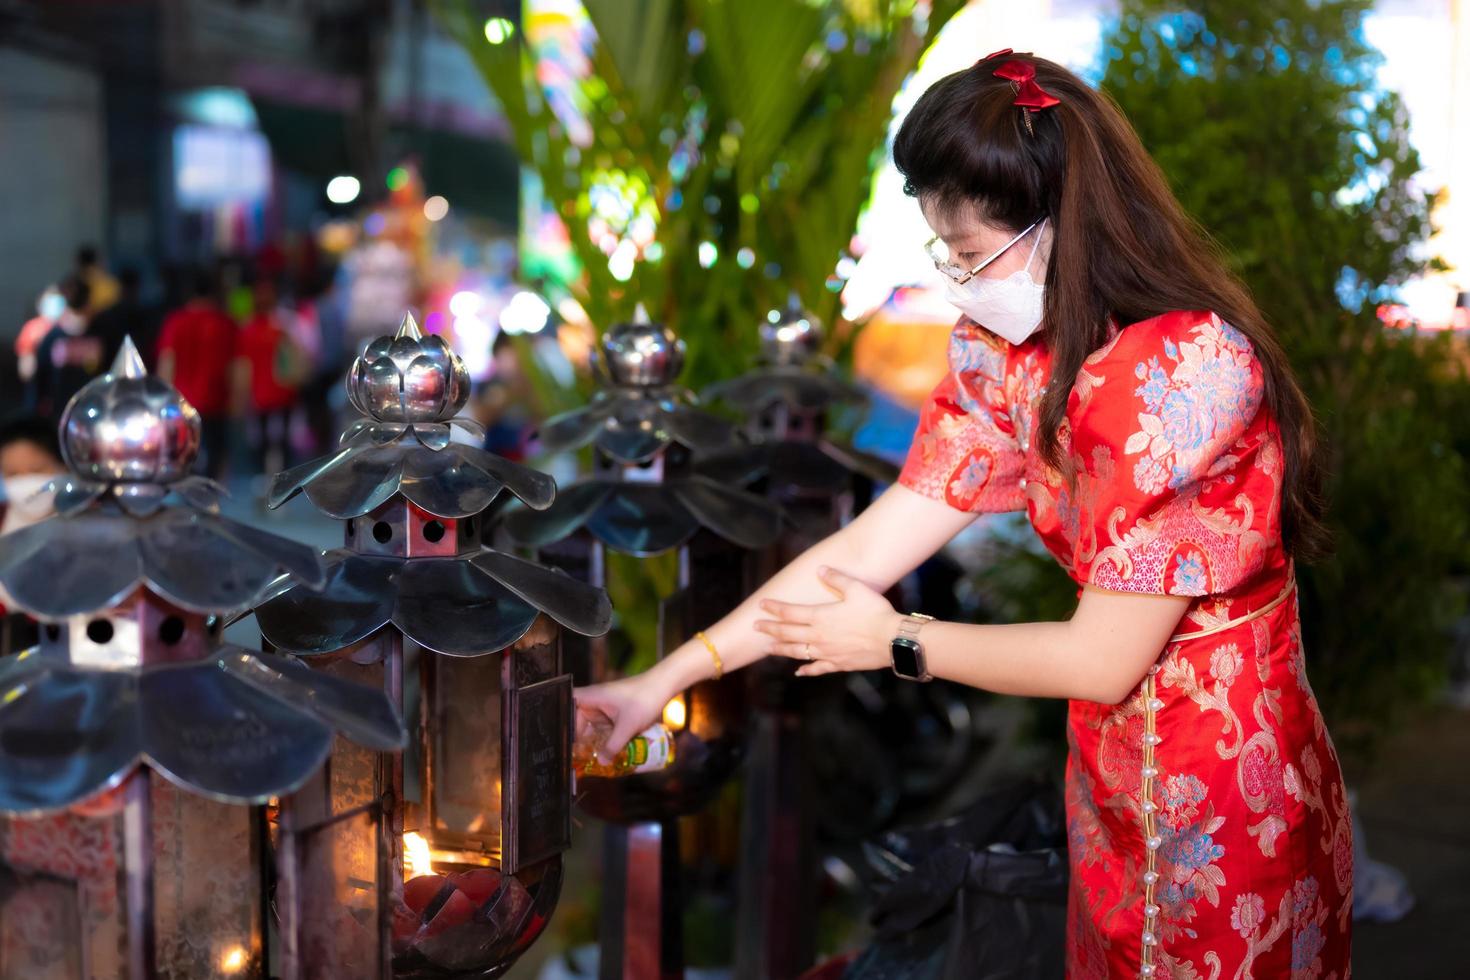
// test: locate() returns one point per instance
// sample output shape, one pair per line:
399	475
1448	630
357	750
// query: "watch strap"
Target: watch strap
909	626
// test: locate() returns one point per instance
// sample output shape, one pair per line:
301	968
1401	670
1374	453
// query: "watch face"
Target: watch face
906	658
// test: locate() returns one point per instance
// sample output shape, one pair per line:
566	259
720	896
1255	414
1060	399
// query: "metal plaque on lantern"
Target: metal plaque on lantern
107	870
649	495
449	861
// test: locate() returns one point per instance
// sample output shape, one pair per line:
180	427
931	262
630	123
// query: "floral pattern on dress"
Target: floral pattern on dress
966	451
1174	489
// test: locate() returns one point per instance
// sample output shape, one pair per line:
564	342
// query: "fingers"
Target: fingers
618	739
790	612
837	582
787	632
817	668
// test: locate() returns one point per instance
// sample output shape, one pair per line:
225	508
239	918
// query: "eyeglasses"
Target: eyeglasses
960	276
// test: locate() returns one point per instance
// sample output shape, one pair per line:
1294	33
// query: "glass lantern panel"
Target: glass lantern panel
464	706
337	841
206	887
62	903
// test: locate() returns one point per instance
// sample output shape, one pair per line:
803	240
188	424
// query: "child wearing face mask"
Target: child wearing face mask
30	458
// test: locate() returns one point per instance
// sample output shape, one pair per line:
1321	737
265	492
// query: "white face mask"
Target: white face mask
25	504
51	305
1009	307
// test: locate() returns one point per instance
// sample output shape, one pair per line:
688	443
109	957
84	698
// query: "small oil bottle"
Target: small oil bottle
649	751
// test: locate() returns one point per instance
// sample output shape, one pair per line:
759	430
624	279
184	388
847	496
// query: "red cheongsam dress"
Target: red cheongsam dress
1208	828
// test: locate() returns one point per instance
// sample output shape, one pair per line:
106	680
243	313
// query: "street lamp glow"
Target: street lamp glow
498	30
343	189
525	313
435	208
465	303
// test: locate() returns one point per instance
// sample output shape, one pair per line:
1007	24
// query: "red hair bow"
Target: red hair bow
1022	74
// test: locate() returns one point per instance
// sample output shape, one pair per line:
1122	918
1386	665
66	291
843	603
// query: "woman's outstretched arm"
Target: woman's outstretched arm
1099	654
889	539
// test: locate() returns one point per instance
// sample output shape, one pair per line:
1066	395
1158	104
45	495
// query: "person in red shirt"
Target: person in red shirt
195	347
269	370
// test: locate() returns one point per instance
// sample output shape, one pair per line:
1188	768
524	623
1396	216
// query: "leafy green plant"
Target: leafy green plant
743	132
1269	120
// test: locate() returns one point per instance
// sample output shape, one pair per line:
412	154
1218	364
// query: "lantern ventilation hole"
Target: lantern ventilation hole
434	531
99	631
351	527
171	631
382	532
53	632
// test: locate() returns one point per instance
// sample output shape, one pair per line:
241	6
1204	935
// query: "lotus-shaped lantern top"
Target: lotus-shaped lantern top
794	337
641	409
641	354
128	427
409	386
408	378
793	371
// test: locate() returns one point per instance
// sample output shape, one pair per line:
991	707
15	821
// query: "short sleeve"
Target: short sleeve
1178	465
965	450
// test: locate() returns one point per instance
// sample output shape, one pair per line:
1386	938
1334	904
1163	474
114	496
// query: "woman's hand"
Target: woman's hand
852	633
631	704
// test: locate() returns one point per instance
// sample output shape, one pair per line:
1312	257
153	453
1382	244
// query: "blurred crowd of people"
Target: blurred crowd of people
255	346
258	345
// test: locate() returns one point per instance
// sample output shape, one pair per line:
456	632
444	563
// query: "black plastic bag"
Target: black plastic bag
981	896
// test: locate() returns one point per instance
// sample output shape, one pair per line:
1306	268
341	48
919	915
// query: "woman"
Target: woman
1114	381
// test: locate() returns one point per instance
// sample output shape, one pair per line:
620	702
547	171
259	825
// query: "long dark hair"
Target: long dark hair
1123	249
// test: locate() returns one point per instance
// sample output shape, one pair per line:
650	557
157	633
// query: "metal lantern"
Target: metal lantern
447	863
107	870
649	495
787	400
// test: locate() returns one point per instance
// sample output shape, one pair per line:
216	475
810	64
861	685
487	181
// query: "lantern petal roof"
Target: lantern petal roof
461	606
91	558
645	519
240	727
806	387
454	481
633	424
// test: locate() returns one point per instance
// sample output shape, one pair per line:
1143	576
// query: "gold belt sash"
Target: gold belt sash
1286	592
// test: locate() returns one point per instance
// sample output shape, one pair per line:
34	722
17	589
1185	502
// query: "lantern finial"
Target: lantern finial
128	363
409	328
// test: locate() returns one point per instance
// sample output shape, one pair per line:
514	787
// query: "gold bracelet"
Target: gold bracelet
714	655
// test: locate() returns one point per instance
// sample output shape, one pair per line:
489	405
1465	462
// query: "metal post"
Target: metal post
138	855
643	935
774	920
288	888
390	814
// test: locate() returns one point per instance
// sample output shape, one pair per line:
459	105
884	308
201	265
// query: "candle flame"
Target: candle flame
233	960
416	857
676	714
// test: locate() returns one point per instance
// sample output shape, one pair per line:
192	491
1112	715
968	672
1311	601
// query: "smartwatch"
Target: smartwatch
906	650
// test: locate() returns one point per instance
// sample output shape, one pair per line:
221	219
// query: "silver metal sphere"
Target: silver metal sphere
409	378
642	354
129	427
793	339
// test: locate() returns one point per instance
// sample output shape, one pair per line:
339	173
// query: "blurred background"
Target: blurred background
252	188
